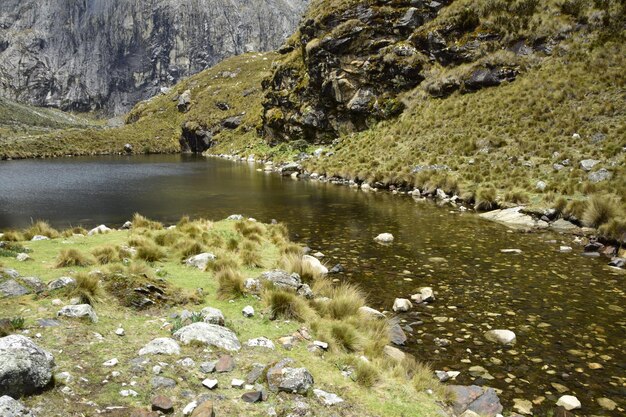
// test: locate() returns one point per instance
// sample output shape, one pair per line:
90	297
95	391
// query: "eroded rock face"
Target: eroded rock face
52	53
25	368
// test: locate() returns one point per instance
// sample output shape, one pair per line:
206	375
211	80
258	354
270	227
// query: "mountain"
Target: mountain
107	55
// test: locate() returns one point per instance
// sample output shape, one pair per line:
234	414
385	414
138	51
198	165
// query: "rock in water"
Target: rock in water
569	402
384	238
504	337
483	401
25	368
161	346
402	305
13	408
79	311
210	334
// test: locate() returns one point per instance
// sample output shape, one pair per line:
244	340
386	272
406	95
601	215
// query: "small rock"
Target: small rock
162	404
111	362
290	380
321	345
23	257
384	238
569	402
607	403
253	397
523	406
588	164
402	305
394	353
212	315
504	337
98	230
62	282
248	311
162	382
261	342
189	408
327	398
128	393
161	346
200	261
119	332
371	313
210	383
79	311
225	364
427	294
237	383
208	367
204	410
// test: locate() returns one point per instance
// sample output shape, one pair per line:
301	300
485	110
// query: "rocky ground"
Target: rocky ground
90	330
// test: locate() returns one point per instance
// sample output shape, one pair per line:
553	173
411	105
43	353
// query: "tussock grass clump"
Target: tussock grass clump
231	284
292	249
41	228
600	210
322	286
74	231
189	247
168	237
517	196
295	263
87	289
150	252
559	205
365	374
232	244
346	335
575	208
287	305
12	236
486	199
106	254
224	261
345	302
72	257
251	230
141	222
614	229
251	255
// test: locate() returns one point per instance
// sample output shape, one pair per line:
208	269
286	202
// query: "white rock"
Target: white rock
237	383
401	305
200	261
320	344
13	408
569	402
120	332
211	315
314	264
189	408
565	249
248	311
261	342
327	398
427	294
504	337
39	237
128	393
161	346
384	238
111	362
23	257
98	230
235	217
517	251
79	311
210	334
371	313
210	383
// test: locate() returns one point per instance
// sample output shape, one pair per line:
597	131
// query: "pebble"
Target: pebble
120	332
210	383
569	402
237	383
248	311
111	362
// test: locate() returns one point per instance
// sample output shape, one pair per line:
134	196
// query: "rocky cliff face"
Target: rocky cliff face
99	54
350	62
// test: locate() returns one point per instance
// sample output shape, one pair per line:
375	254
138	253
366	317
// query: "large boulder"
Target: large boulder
514	217
98	230
62	282
200	261
161	346
210	334
79	311
25	368
13	408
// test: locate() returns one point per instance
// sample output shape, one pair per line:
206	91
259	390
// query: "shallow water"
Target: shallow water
567	310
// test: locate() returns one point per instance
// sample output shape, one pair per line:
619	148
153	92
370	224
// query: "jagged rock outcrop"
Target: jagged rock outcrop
99	54
349	62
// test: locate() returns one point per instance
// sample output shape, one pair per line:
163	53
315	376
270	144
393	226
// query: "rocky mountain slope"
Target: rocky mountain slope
101	55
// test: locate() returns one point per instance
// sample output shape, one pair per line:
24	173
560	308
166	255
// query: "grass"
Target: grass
294	262
391	396
601	209
73	257
41	228
106	254
231	284
87	289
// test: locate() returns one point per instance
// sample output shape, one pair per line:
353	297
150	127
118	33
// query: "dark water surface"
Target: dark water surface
567	310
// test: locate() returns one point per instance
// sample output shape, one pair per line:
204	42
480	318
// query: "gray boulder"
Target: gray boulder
25	368
34	284
282	279
200	261
62	282
291	380
213	316
588	164
12	288
79	311
13	408
161	346
9	273
600	175
210	334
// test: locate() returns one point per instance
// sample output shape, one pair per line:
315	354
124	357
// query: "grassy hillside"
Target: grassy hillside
229	89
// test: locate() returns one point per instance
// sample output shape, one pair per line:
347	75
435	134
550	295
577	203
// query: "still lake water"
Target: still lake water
567	310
